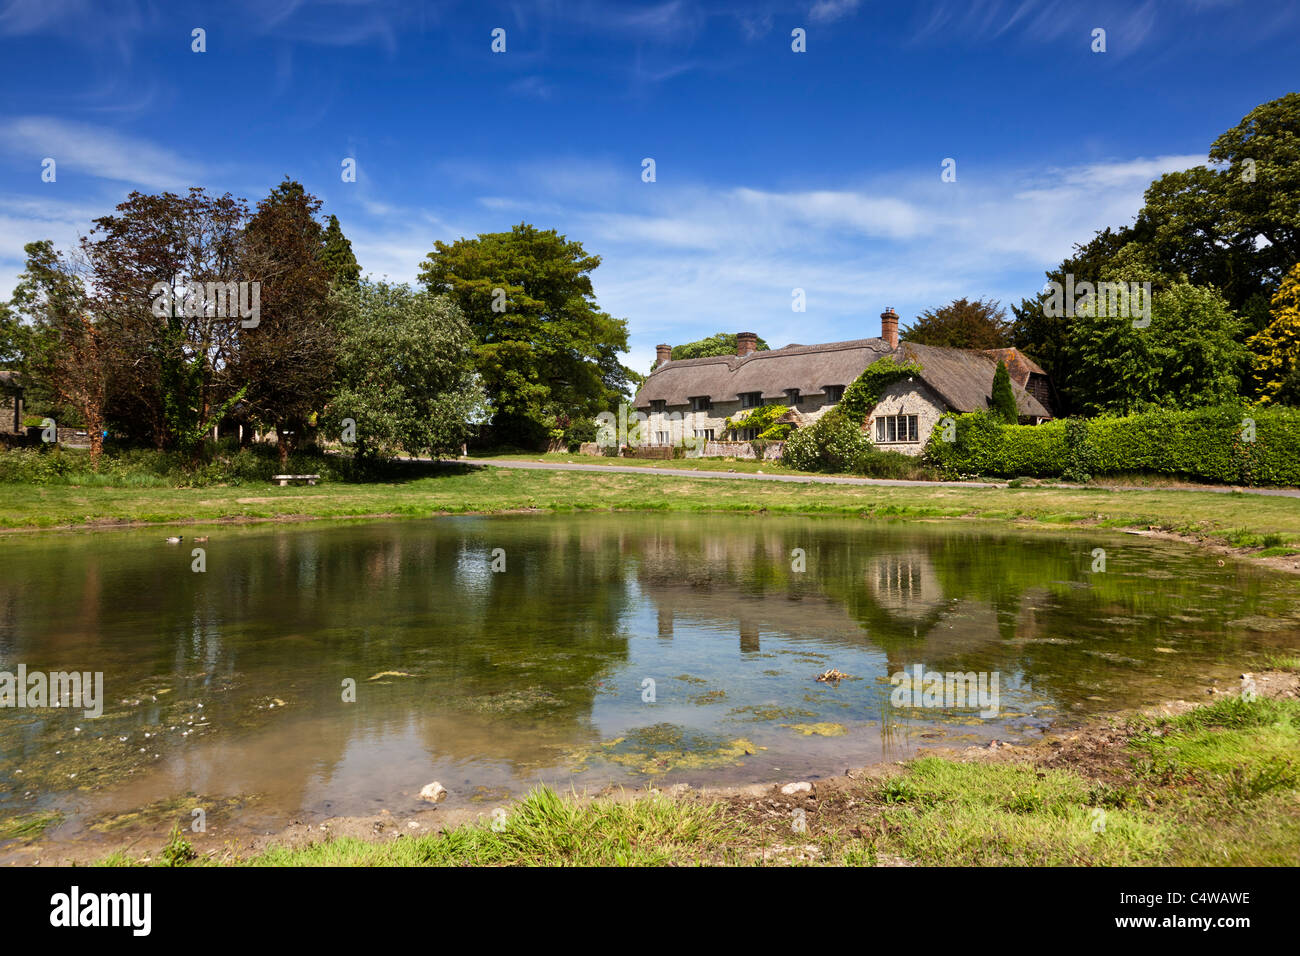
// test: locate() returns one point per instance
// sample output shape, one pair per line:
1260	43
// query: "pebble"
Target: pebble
433	792
790	789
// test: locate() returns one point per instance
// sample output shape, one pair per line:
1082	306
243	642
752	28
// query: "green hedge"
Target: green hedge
1205	444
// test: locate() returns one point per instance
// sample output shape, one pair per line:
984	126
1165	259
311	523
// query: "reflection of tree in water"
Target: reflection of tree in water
290	612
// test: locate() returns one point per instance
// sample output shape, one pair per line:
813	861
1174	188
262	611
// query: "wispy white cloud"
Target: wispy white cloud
98	152
1128	26
684	261
828	11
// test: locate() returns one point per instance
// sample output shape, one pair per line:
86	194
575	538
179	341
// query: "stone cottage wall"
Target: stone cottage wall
10	412
906	397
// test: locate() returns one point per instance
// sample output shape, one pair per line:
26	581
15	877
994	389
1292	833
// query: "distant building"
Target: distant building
694	397
11	404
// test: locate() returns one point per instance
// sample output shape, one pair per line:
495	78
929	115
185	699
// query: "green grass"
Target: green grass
543	830
460	489
944	813
28	826
740	465
1283	662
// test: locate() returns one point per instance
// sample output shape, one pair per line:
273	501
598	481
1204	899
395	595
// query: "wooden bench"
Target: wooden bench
283	480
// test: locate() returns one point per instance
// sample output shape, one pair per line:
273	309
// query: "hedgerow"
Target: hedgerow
1225	445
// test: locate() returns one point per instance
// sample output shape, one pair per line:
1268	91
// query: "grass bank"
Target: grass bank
1217	785
1266	525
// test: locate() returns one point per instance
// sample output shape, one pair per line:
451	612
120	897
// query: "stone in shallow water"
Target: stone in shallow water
433	792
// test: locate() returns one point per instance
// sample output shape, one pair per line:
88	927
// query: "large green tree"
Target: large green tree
405	372
546	354
67	351
177	380
286	360
1187	357
962	324
337	256
1232	225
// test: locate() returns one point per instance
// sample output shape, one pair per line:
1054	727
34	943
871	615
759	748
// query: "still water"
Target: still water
604	649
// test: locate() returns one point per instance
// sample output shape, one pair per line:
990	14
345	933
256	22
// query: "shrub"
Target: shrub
1205	444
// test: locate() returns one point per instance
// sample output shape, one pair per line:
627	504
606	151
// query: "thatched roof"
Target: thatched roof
723	378
1019	365
962	378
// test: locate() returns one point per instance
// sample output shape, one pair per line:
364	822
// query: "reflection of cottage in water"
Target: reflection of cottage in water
904	584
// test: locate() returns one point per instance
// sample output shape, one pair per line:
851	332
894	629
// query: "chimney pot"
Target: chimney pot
663	354
746	342
889	327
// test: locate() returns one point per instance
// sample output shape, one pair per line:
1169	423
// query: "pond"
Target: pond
323	669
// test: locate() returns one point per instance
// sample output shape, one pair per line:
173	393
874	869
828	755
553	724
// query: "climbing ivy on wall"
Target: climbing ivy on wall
835	441
763	418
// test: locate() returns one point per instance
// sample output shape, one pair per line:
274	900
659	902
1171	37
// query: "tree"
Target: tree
546	355
336	255
405	369
962	324
1261	184
1232	225
723	343
1004	399
1188	357
176	379
68	351
13	338
287	359
1277	348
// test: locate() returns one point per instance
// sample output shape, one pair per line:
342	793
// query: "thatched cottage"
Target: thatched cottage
694	397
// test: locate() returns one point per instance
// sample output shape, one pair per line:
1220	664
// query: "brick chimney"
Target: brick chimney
663	354
746	342
889	326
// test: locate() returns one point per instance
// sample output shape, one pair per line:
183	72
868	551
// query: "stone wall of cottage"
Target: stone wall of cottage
10	412
908	398
678	421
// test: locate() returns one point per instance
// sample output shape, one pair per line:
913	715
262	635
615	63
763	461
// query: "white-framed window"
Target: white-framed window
701	403
663	438
892	429
705	433
751	399
746	434
833	394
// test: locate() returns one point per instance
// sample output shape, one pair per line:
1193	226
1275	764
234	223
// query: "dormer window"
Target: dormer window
701	403
658	406
792	397
751	399
834	393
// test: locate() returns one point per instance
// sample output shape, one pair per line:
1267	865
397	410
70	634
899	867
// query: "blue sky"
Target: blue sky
775	170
